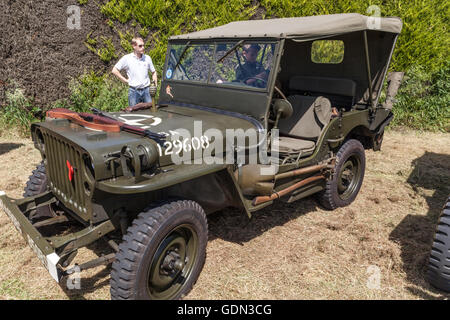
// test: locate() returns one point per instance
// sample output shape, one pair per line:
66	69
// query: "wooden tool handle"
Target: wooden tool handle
96	123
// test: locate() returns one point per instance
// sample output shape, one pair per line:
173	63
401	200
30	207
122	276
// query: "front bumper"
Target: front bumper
39	244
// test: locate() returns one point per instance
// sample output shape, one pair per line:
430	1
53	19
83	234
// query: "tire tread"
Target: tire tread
438	268
138	236
327	197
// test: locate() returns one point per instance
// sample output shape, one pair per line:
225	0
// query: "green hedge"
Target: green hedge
167	18
422	49
423	41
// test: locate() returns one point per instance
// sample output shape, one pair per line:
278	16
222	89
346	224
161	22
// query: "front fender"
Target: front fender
212	185
169	176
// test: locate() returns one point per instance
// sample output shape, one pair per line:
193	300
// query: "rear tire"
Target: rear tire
439	262
348	176
162	254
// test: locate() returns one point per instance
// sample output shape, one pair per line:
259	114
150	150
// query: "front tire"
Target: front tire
38	183
162	254
439	262
348	176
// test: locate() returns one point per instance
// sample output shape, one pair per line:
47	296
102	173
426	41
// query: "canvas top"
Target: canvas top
299	28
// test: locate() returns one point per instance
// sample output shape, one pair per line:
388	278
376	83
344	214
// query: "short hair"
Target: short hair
134	40
247	47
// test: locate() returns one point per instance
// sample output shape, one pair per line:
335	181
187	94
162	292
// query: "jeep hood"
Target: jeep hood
169	120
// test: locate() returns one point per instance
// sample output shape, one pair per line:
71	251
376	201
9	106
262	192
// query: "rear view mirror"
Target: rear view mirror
283	108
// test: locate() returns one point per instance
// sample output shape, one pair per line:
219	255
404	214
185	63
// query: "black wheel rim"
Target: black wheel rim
349	177
173	262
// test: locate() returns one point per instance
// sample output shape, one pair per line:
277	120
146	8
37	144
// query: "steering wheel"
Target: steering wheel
259	83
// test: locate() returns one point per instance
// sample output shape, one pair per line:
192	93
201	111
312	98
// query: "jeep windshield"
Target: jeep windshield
243	63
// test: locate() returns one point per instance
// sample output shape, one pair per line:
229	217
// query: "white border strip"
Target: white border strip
52	261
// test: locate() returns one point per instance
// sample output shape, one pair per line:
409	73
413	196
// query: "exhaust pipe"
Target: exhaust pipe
279	194
252	183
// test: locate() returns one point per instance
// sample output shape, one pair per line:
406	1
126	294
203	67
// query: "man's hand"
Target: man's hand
262	75
117	73
155	78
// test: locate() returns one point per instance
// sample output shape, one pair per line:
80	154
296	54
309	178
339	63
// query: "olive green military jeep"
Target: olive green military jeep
249	113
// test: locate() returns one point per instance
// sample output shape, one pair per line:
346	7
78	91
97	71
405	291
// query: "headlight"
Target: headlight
147	156
137	159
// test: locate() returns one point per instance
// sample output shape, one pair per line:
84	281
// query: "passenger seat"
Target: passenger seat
299	132
312	99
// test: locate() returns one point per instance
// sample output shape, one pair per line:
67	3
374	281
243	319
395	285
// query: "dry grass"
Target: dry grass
287	251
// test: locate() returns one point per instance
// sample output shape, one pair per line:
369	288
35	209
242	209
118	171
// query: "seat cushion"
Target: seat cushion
293	145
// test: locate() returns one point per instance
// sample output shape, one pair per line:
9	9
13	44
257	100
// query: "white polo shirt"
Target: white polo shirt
137	69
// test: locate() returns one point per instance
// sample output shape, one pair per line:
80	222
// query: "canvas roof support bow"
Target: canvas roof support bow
369	75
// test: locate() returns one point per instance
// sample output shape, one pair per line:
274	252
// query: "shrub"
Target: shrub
423	101
18	111
98	91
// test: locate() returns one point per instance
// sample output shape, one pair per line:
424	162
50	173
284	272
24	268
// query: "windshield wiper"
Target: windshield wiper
182	54
230	51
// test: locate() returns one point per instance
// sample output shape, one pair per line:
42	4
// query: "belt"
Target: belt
135	88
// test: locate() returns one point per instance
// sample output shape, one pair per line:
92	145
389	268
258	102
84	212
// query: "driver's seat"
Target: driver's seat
299	132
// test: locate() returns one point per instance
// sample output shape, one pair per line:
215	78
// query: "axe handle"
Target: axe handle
103	123
97	122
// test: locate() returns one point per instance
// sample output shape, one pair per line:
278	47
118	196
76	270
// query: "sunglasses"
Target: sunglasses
140	46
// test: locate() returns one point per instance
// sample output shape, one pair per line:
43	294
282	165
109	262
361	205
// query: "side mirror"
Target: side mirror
283	110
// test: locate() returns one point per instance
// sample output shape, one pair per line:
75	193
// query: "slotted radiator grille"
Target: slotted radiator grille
71	193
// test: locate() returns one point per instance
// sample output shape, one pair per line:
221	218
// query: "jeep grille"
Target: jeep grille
71	193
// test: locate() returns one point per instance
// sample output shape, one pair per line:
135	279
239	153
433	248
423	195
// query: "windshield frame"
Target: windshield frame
215	43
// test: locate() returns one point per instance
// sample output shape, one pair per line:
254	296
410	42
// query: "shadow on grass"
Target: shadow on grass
233	225
229	224
92	283
7	147
431	175
87	285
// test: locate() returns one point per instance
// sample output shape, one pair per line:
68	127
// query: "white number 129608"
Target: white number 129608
186	145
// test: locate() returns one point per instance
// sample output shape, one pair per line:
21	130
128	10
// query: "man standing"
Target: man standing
137	65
